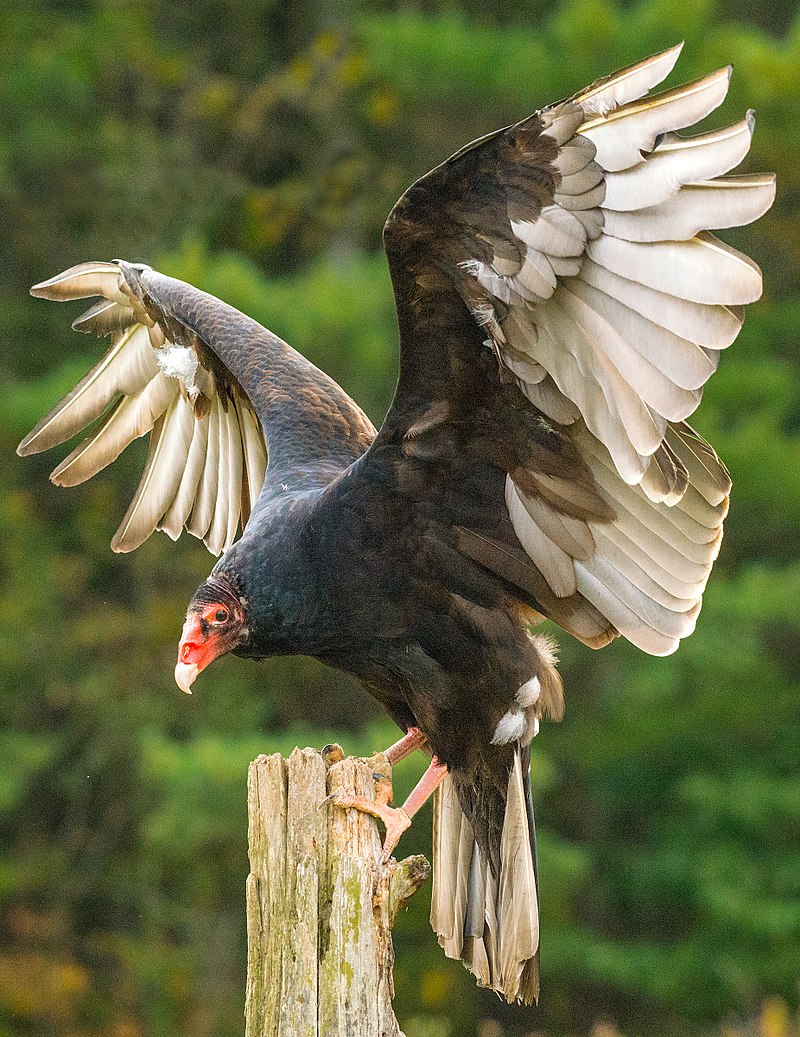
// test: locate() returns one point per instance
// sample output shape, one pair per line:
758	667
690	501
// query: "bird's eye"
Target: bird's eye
221	616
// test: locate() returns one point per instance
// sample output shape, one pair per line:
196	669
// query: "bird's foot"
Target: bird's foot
395	819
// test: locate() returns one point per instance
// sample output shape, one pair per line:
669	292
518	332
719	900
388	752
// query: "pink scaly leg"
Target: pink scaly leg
396	819
411	740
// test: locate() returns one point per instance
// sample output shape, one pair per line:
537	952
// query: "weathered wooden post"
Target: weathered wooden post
320	902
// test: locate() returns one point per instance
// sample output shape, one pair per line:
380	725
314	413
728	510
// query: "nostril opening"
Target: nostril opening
186	651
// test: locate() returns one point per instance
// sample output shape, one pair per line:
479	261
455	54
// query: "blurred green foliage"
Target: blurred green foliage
254	149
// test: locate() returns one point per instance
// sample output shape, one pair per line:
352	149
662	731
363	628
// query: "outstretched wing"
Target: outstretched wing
574	246
210	385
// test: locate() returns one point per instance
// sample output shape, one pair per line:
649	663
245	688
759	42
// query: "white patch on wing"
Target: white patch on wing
510	728
180	362
528	693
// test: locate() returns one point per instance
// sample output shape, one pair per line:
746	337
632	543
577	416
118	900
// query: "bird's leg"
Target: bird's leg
396	819
411	740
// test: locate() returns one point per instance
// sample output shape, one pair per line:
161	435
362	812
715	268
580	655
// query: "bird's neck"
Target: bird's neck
282	554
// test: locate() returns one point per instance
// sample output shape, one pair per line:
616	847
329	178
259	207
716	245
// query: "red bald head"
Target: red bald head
215	624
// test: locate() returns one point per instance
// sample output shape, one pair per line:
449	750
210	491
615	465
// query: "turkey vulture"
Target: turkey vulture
561	303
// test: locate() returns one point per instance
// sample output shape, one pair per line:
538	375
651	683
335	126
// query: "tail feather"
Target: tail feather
489	920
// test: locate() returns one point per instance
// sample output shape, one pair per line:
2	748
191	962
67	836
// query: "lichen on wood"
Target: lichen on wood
320	901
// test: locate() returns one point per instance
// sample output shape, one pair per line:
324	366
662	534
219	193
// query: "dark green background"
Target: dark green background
255	149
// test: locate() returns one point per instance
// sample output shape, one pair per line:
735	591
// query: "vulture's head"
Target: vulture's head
216	623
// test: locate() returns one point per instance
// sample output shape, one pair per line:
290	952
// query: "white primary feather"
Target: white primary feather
628	337
645	580
633	499
179	510
235	467
684	565
626	133
699	509
702	269
205	499
125	369
707	205
215	538
598	322
104	318
629	84
653	538
82	282
615	413
678	161
579	386
627	622
661	619
712	326
133	417
162	476
661	561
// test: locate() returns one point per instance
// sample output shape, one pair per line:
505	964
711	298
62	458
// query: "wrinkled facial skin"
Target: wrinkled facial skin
216	623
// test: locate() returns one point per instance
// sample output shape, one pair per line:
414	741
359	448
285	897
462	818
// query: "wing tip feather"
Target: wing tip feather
57	288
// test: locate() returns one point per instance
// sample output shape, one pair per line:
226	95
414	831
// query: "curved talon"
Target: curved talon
332	753
398	823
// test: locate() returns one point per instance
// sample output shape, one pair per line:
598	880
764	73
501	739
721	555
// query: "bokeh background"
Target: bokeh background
254	148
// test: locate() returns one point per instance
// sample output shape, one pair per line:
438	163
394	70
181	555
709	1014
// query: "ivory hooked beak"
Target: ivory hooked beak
185	675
